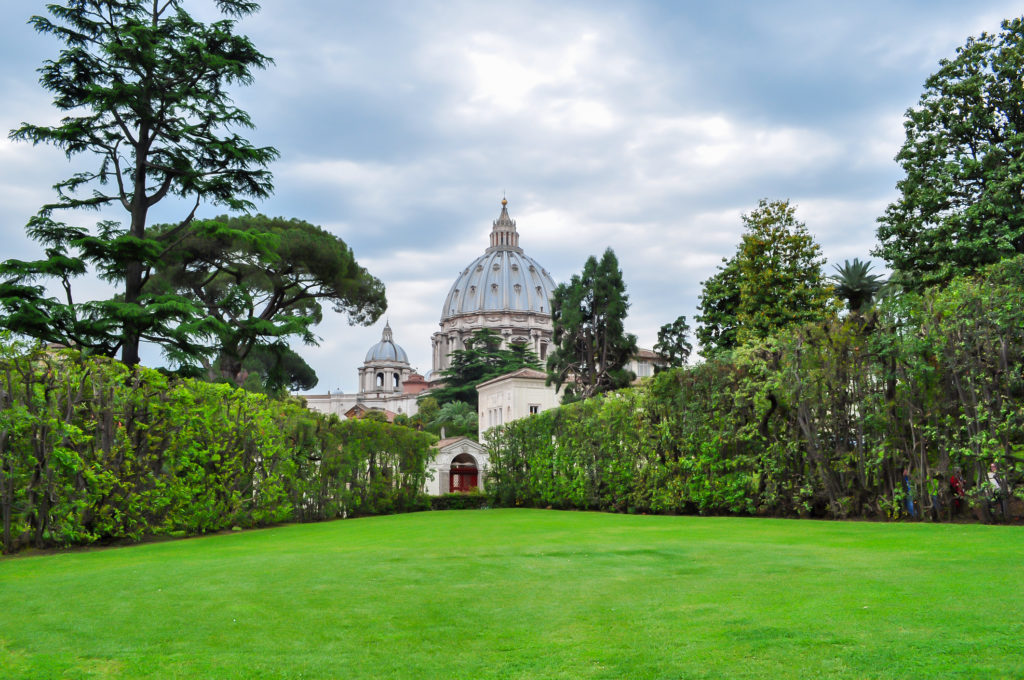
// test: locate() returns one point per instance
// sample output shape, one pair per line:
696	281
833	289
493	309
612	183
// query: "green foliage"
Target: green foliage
471	500
649	449
854	283
276	368
145	91
719	310
92	450
263	281
673	342
960	206
772	281
482	358
818	420
591	347
457	418
426	412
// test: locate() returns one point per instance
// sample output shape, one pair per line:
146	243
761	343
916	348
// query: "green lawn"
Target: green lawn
527	594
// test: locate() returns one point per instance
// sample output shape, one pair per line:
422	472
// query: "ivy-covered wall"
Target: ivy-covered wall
93	451
822	420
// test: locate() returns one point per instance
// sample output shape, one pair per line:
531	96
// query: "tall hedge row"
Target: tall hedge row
822	420
91	450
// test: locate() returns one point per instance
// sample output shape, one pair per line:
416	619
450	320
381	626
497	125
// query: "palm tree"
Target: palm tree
856	285
456	418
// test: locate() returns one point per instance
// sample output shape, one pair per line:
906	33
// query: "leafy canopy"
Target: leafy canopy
457	418
854	283
482	358
591	347
145	90
263	280
772	281
673	342
961	202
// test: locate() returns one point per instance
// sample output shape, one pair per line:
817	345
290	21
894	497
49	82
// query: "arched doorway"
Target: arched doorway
464	474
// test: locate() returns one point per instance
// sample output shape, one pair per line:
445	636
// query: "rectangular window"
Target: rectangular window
534	409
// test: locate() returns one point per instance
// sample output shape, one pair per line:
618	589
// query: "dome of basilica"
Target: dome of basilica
503	291
503	279
386	349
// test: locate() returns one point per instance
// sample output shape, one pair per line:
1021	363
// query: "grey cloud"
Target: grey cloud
648	128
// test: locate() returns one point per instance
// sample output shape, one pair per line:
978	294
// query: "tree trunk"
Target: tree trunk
134	271
6	495
133	290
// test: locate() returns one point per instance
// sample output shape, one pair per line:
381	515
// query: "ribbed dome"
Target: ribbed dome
502	279
386	349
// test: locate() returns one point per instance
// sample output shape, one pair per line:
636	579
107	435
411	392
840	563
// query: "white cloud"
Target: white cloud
695	153
646	127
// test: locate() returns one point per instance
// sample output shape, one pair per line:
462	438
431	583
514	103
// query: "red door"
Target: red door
462	480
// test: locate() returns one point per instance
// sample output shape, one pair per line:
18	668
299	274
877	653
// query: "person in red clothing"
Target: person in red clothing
956	488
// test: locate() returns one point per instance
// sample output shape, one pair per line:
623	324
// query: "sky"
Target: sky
646	127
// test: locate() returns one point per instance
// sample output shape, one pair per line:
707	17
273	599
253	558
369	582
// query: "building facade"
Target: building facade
459	465
503	290
513	396
386	383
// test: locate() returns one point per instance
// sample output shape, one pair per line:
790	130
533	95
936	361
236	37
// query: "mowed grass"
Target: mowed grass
527	594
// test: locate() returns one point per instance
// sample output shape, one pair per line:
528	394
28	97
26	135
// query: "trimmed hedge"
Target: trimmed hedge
91	450
820	421
473	500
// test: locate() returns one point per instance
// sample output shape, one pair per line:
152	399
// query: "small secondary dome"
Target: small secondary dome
386	349
503	279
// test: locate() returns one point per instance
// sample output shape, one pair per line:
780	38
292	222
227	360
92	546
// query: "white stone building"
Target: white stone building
513	396
644	362
460	465
386	383
503	290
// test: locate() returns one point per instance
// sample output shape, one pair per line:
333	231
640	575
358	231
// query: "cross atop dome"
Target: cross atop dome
503	232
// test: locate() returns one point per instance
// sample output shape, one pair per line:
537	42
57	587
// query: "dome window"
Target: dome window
483	287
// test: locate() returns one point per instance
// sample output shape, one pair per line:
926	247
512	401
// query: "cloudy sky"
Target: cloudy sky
647	127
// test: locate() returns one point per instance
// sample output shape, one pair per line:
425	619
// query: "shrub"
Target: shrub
820	420
473	500
91	450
